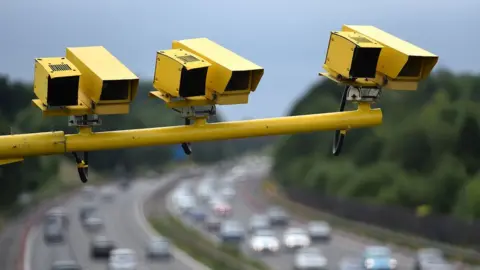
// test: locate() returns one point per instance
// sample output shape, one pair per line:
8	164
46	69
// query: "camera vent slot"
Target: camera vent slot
188	58
59	67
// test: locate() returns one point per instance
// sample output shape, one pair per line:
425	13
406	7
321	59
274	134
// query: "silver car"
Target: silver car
94	224
53	232
86	211
296	238
264	241
159	248
277	216
58	213
430	258
258	222
310	258
232	231
319	230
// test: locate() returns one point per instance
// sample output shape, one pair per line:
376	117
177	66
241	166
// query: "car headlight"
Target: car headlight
392	263
369	263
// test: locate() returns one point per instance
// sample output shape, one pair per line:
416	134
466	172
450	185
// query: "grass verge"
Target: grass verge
201	249
275	194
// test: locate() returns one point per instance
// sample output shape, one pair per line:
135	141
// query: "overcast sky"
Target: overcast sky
287	37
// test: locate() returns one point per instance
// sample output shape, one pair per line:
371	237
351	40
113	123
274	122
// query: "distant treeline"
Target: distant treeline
424	157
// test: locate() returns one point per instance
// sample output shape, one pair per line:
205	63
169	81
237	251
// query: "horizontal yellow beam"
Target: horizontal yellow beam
10	160
15	146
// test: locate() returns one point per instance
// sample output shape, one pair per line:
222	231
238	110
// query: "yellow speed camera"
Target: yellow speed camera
105	80
351	56
401	65
179	74
230	77
56	82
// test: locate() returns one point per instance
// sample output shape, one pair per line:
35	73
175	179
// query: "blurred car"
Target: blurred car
215	199
232	231
65	265
222	209
122	259
296	238
430	258
197	214
310	258
124	184
204	191
159	248
53	232
227	192
58	213
258	222
184	202
378	258
88	193
350	263
93	224
86	211
107	194
277	216
264	240
319	230
212	223
101	246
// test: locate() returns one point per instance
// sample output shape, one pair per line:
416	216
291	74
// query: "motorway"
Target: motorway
249	200
124	223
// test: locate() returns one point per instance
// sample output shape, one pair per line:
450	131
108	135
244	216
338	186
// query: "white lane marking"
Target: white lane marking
31	236
147	227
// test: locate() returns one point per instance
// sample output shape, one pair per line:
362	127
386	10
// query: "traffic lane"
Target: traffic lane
340	245
41	257
123	224
79	239
242	213
281	260
74	248
77	245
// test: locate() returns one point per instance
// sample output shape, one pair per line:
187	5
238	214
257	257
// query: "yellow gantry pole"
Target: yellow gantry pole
48	143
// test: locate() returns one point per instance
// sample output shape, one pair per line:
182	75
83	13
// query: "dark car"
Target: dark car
53	232
159	248
66	265
212	223
197	214
232	232
277	216
101	247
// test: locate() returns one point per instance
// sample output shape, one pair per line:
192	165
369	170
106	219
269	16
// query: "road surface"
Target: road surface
124	223
249	200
